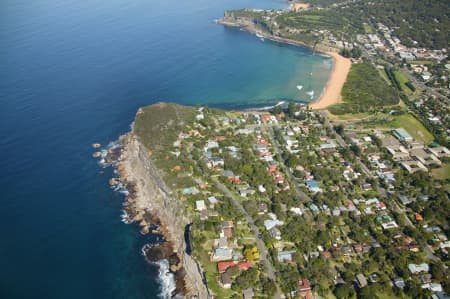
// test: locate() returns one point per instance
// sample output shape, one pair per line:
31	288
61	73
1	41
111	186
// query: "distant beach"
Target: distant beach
338	76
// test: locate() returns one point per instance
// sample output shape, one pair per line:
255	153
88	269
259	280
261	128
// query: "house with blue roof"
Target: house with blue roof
313	186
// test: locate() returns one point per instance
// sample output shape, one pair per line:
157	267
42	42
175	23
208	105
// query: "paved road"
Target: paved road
342	143
278	150
259	243
428	250
364	168
428	90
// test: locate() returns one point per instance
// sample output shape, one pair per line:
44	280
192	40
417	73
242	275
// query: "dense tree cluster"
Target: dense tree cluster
365	91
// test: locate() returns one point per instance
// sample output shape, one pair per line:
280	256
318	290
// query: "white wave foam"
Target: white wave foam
104	153
124	192
113	144
166	280
269	107
126	218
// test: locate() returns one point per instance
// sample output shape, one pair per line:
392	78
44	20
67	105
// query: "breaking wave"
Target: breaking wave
166	280
269	107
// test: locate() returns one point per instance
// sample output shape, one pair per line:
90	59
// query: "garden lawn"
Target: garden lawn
367	29
442	173
401	78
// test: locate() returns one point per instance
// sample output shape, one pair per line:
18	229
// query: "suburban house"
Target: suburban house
222	254
304	289
212	201
313	186
225	281
200	205
213	162
245	192
271	223
328	147
223	266
262	208
406	200
211	144
285	256
191	191
416	269
227	229
362	281
231	177
399	282
275	233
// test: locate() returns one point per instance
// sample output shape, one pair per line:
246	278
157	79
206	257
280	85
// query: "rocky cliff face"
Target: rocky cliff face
230	19
153	197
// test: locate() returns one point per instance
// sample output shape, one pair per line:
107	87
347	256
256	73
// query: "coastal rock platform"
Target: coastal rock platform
150	201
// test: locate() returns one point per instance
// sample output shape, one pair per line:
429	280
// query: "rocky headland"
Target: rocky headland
341	65
149	201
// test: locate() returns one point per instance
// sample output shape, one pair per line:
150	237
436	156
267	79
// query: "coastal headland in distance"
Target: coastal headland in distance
150	200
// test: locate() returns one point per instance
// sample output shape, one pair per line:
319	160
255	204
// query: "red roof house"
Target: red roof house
223	266
244	265
304	289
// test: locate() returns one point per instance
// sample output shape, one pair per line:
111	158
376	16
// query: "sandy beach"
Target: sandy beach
341	66
332	93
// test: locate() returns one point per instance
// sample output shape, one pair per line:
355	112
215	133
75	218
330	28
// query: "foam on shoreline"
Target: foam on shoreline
332	92
166	279
341	67
150	202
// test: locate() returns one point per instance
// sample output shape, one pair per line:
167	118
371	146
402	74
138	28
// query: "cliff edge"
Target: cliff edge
151	196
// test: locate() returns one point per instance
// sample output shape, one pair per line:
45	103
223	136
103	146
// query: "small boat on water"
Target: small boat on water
259	35
299	87
310	93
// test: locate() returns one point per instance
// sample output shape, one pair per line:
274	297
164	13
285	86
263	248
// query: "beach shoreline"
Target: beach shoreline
333	89
151	199
338	75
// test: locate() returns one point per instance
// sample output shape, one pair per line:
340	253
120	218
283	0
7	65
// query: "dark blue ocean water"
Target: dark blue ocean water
73	73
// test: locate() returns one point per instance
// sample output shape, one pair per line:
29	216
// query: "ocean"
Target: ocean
74	73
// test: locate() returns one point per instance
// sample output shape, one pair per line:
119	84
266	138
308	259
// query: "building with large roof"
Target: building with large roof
402	135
